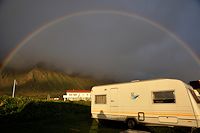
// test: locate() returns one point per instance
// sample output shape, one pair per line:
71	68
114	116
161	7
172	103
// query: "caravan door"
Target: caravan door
114	104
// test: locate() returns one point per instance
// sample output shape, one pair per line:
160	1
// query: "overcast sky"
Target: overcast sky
117	39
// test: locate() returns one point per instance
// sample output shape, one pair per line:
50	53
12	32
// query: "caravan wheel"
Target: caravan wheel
131	123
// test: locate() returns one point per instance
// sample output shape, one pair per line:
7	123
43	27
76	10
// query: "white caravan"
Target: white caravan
167	102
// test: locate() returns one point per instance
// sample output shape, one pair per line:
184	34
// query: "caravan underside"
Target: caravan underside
140	118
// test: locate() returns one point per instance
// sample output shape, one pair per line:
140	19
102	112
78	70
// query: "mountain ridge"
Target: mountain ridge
38	82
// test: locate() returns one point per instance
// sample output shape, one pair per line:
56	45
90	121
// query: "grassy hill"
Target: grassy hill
39	82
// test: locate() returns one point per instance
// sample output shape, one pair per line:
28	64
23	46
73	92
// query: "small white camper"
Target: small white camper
167	102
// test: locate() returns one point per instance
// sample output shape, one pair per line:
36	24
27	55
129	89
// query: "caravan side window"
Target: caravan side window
164	97
196	98
100	99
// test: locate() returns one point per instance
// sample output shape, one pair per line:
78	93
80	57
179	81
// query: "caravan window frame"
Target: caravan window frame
100	99
166	100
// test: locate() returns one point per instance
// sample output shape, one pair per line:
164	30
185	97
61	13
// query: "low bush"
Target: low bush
25	109
9	105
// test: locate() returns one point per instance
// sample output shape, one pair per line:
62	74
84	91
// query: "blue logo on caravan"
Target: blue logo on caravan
133	96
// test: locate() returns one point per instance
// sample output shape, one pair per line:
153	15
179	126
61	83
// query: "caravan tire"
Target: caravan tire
131	123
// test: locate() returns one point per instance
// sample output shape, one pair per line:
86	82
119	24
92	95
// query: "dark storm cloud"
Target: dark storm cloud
18	18
108	45
104	45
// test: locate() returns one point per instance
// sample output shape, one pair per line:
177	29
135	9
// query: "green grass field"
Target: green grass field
26	115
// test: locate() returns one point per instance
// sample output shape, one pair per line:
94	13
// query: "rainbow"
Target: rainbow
65	17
